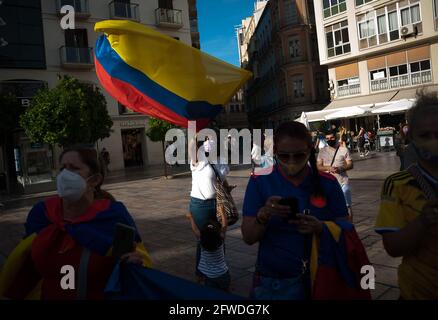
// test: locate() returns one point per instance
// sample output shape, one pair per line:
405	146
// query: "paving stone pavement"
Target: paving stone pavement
159	207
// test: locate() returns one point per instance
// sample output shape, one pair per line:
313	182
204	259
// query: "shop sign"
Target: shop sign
131	123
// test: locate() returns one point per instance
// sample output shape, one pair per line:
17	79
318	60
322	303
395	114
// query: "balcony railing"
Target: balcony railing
123	10
76	58
421	77
399	81
349	90
81	7
405	80
168	18
379	84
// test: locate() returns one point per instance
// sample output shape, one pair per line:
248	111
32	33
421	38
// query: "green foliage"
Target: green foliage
71	113
157	129
10	111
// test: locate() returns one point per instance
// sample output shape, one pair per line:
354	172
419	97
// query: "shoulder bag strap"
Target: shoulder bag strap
334	157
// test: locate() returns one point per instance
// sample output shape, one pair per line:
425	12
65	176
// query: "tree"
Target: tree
71	113
157	133
10	111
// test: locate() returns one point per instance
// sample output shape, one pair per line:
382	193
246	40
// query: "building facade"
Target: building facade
283	57
35	49
233	115
377	51
194	31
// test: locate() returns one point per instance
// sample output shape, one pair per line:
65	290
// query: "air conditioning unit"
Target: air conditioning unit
408	30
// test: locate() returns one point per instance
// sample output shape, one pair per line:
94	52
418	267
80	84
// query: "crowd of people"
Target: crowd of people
299	215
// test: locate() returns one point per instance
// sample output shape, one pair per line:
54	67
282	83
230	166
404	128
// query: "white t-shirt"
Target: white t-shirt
204	178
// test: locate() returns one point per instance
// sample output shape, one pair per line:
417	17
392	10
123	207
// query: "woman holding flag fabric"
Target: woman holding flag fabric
298	215
75	228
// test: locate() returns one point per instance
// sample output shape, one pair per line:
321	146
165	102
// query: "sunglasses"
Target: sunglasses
294	156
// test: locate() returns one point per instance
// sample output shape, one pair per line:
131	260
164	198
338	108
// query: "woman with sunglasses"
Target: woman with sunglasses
273	215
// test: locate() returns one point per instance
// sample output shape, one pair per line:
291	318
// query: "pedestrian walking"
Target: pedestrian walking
106	159
361	142
336	159
203	193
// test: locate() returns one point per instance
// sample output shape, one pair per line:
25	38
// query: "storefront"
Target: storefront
32	169
132	142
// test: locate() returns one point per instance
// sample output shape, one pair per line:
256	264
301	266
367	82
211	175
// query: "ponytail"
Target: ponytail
318	191
102	194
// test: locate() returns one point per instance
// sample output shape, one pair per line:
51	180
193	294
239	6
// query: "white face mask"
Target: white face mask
70	185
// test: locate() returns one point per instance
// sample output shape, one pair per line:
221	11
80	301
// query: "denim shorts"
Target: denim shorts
202	211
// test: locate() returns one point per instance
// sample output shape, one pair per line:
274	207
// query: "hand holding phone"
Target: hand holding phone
293	205
123	241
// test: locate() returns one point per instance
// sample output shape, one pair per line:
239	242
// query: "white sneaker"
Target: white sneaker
361	155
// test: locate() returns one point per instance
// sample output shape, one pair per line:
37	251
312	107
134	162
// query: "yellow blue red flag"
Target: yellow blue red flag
154	74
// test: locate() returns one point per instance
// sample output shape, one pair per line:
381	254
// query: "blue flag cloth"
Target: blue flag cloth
133	282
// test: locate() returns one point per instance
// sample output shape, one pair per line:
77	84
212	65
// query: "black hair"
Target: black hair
426	103
211	238
297	130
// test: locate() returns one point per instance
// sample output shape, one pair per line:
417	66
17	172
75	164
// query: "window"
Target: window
381	24
165	4
435	6
347	87
332	7
291	15
398	70
298	87
361	2
321	85
378	74
294	47
410	15
393	26
338	40
367	28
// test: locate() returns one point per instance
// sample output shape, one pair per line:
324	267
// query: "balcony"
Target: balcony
123	10
379	84
82	11
418	78
168	18
405	80
76	58
349	90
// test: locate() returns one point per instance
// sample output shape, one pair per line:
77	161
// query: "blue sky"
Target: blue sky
216	22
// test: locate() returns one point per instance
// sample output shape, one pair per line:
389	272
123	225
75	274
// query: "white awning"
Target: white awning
399	106
303	119
350	112
314	116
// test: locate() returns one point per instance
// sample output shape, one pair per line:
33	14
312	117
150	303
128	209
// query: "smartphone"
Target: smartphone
293	205
123	241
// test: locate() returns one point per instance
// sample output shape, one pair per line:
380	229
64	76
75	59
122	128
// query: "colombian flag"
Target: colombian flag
154	74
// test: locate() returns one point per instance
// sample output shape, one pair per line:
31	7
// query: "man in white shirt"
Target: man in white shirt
336	160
